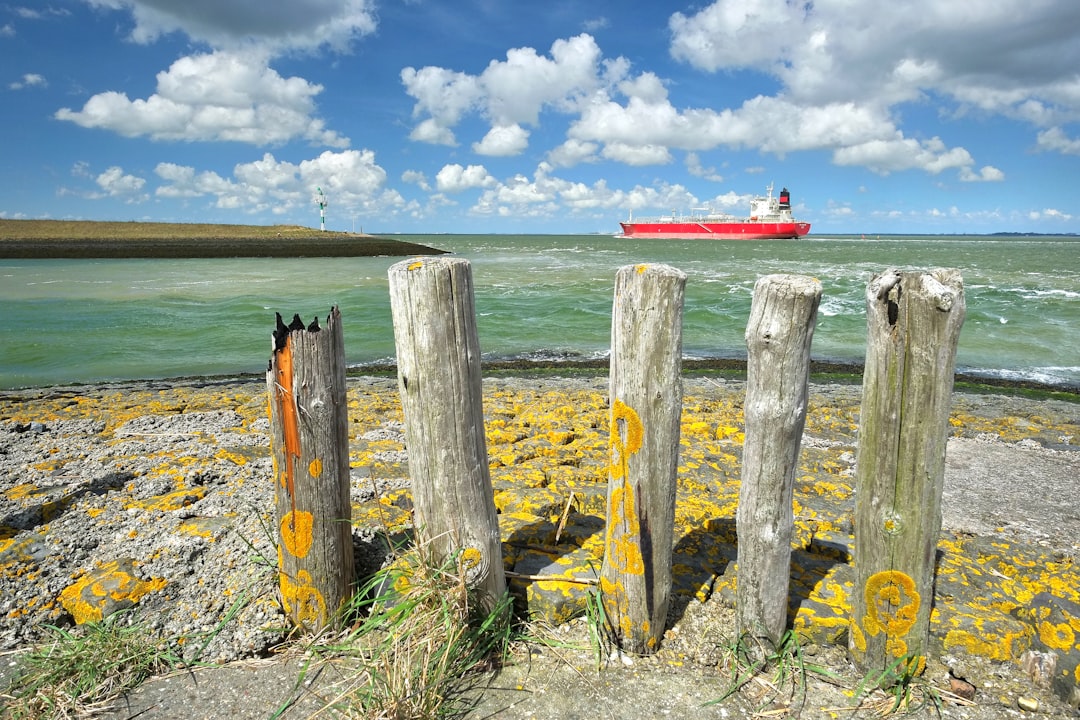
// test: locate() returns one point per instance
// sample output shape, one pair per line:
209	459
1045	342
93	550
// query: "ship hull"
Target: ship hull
715	231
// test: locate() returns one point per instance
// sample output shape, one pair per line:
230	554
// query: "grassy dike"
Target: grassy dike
75	239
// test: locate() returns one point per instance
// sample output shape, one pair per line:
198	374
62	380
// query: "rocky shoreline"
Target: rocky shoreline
155	496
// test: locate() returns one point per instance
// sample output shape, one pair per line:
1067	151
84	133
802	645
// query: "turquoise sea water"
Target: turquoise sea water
65	321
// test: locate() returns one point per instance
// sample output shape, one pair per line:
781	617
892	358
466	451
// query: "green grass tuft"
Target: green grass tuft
79	673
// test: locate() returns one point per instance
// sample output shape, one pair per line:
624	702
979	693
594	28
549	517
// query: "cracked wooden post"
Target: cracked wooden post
646	410
913	324
438	360
778	336
309	432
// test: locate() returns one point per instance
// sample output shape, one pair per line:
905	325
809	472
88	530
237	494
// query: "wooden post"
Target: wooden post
438	359
309	430
913	324
778	336
646	409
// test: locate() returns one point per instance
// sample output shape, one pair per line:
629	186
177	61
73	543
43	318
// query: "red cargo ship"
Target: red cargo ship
770	219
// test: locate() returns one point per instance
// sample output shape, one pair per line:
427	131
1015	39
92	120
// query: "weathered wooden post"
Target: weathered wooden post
646	408
438	359
778	336
309	430
913	324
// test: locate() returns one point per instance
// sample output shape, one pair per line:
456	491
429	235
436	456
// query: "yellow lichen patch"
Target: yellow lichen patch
169	501
233	457
626	436
23	491
315	468
296	534
110	586
1059	636
858	639
415	265
471	558
730	433
892	605
302	600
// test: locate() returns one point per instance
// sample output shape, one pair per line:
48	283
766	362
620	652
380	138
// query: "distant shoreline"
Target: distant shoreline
76	239
724	369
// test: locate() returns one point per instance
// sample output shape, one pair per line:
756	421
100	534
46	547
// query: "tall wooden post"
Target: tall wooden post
778	336
309	429
913	324
438	359
646	408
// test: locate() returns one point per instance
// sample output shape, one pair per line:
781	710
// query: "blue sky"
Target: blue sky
561	116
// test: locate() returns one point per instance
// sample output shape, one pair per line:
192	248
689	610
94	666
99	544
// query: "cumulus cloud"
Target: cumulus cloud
235	24
351	180
112	183
118	184
455	178
1013	58
1056	140
415	177
503	141
510	93
231	93
546	195
217	96
573	152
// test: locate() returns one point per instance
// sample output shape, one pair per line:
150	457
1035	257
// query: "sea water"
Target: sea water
537	297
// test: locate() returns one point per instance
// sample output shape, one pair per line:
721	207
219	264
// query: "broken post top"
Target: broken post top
281	331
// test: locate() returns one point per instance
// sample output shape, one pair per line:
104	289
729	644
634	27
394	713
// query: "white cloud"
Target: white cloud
1049	214
218	96
115	183
455	178
695	168
7	30
573	152
746	33
896	154
29	80
832	50
1056	140
351	180
415	177
545	195
508	93
988	173
503	141
273	27
648	154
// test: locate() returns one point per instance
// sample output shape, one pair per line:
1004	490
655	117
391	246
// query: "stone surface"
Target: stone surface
159	494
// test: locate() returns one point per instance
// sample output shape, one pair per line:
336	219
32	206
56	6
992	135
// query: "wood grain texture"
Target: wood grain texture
913	326
779	333
439	380
646	408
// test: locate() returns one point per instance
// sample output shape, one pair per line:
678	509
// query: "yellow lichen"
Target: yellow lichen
302	600
87	597
296	533
892	605
1058	636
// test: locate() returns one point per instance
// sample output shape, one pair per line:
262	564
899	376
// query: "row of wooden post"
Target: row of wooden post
913	323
